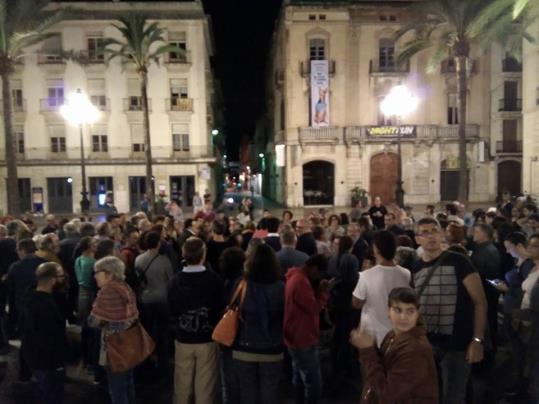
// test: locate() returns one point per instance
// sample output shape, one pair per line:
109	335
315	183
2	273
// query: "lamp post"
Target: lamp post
399	103
78	110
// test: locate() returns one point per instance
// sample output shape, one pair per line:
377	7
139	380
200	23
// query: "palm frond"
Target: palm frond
519	7
488	16
412	48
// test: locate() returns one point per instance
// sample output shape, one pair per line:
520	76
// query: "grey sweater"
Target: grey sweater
158	274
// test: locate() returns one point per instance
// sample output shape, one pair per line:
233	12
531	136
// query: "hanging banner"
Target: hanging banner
319	93
407	131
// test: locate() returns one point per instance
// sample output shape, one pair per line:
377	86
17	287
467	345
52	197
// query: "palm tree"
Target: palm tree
23	23
142	44
452	28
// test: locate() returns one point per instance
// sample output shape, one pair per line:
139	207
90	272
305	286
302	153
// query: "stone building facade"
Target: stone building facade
358	146
180	92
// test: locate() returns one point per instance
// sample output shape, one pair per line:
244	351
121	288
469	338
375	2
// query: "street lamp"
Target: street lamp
78	110
400	102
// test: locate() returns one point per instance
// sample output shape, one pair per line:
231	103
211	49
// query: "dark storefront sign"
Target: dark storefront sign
405	131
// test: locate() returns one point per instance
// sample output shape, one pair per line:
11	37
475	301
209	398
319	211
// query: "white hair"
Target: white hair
111	265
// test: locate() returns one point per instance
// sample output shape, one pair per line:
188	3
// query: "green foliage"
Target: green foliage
142	42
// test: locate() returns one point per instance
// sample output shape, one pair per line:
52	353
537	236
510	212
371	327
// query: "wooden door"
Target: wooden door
510	177
384	169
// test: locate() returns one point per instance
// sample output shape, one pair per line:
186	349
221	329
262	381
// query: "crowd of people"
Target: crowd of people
414	308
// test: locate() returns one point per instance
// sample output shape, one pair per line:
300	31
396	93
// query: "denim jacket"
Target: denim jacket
261	330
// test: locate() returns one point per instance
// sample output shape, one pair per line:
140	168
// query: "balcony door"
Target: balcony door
137	188
384	167
510	91
318	183
510	177
510	141
183	189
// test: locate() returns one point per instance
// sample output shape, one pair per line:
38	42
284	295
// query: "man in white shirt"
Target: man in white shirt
374	285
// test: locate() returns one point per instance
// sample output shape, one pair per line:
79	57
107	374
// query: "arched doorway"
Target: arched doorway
384	167
318	183
510	177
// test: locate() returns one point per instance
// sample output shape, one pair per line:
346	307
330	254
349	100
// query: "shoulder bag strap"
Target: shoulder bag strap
430	274
143	273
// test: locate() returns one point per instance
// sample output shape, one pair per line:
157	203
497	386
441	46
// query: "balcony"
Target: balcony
134	104
449	67
100	102
510	104
511	65
305	68
50	104
50	58
179	104
391	69
179	62
373	133
330	135
93	57
509	146
18	107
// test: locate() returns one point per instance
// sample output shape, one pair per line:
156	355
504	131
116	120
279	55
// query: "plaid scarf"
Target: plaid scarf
115	302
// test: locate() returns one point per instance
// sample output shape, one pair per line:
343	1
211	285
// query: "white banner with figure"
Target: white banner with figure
319	93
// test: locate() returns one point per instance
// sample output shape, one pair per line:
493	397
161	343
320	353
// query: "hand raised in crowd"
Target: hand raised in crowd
360	338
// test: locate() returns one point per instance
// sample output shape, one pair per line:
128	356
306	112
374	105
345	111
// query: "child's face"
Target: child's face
403	316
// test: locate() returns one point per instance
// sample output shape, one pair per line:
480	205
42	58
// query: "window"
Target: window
135	99
17	101
180	137
18	133
100	143
322	17
96	49
393	18
137	138
55	93
58	144
312	17
178	40
386	52
383	18
452	110
317	49
52	48
96	90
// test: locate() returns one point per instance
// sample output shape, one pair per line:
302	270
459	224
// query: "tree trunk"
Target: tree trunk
462	89
150	189
13	199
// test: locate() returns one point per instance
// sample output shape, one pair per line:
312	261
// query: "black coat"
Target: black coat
307	244
43	333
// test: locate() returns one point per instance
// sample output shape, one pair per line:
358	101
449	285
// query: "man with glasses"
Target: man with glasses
453	307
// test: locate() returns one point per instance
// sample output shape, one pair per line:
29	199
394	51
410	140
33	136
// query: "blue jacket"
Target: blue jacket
261	330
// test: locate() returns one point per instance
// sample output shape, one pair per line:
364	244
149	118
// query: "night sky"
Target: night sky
242	31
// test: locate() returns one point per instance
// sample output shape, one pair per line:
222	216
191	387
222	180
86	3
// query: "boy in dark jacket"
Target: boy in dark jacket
43	334
196	301
403	370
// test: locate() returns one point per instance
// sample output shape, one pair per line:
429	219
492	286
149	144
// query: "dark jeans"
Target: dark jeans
518	349
343	354
121	387
229	380
453	373
155	319
25	374
259	382
306	374
51	385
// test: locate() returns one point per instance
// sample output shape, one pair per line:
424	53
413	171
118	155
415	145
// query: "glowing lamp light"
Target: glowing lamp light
215	132
261	155
399	102
230	200
79	110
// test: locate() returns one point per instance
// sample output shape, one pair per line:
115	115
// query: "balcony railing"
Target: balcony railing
375	67
305	68
510	104
51	104
16	107
134	104
50	57
509	146
358	134
324	135
93	57
179	104
178	58
510	65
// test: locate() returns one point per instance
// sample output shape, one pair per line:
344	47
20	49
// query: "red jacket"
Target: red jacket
302	310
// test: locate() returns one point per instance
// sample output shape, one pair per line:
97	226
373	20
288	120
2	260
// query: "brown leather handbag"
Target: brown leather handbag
227	328
128	348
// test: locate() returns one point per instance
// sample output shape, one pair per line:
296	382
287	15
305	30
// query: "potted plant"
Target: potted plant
359	196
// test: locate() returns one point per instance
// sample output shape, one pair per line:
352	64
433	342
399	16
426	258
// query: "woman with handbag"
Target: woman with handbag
114	312
257	353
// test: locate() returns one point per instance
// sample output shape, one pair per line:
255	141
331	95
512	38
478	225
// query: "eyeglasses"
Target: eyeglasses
427	233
